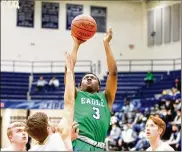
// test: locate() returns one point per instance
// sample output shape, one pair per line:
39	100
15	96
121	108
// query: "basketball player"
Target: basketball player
38	126
155	128
92	107
17	137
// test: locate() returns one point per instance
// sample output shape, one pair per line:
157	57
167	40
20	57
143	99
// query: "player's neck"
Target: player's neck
155	143
19	147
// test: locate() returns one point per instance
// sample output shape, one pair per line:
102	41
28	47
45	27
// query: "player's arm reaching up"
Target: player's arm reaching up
111	83
65	125
74	52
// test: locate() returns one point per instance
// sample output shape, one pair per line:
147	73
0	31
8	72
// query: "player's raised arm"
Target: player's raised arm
65	125
111	83
74	52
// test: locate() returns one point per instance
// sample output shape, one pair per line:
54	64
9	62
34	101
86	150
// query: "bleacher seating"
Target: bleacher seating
166	83
51	95
129	83
14	85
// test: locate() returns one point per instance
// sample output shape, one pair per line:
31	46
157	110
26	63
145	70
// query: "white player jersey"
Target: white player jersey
53	143
7	149
163	147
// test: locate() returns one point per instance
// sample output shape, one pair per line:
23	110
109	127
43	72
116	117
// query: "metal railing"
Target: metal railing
43	66
89	66
148	64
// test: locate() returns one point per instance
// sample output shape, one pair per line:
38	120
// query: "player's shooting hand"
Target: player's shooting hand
75	131
69	62
108	36
77	41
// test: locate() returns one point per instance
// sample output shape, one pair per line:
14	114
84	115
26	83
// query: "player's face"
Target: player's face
19	135
152	130
90	83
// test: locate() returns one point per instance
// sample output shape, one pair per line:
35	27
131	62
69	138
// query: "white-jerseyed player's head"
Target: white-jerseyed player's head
37	126
16	133
155	127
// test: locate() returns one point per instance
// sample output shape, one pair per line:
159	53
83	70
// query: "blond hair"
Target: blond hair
14	125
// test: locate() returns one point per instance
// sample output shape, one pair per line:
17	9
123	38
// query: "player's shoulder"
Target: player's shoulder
149	149
34	148
7	149
167	147
55	136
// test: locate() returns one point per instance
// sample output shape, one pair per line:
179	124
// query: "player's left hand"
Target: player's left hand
108	35
75	131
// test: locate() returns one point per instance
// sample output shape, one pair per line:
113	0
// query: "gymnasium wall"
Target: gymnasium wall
44	44
171	49
128	20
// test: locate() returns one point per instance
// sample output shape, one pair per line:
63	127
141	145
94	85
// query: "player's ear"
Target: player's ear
10	138
160	130
98	88
79	85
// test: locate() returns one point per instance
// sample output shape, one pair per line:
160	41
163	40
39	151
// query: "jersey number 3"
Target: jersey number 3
97	113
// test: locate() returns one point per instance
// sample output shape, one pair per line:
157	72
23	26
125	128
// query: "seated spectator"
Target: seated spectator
115	133
178	84
177	119
128	137
41	84
176	94
175	137
149	80
53	83
128	110
142	143
178	102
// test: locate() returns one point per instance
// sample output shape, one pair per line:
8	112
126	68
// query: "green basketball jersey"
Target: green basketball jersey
93	115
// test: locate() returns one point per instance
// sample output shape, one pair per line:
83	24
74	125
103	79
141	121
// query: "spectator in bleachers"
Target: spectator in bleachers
53	83
128	137
139	122
149	79
175	137
127	110
142	143
177	119
178	84
112	139
178	102
41	84
176	93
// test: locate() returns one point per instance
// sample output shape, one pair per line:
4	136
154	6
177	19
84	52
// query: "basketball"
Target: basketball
83	27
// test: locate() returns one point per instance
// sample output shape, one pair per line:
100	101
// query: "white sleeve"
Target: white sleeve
57	141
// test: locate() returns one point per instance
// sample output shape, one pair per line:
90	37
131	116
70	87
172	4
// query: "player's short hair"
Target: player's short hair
14	125
36	126
92	74
159	122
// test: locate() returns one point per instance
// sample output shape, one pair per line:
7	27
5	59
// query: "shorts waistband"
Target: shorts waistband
92	142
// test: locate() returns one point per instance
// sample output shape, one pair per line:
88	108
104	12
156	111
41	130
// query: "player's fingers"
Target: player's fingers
75	122
77	130
76	126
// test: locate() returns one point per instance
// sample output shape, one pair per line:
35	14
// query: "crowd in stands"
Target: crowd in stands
43	85
127	129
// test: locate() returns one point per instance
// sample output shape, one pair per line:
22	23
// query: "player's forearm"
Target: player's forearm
68	144
69	88
74	53
111	62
